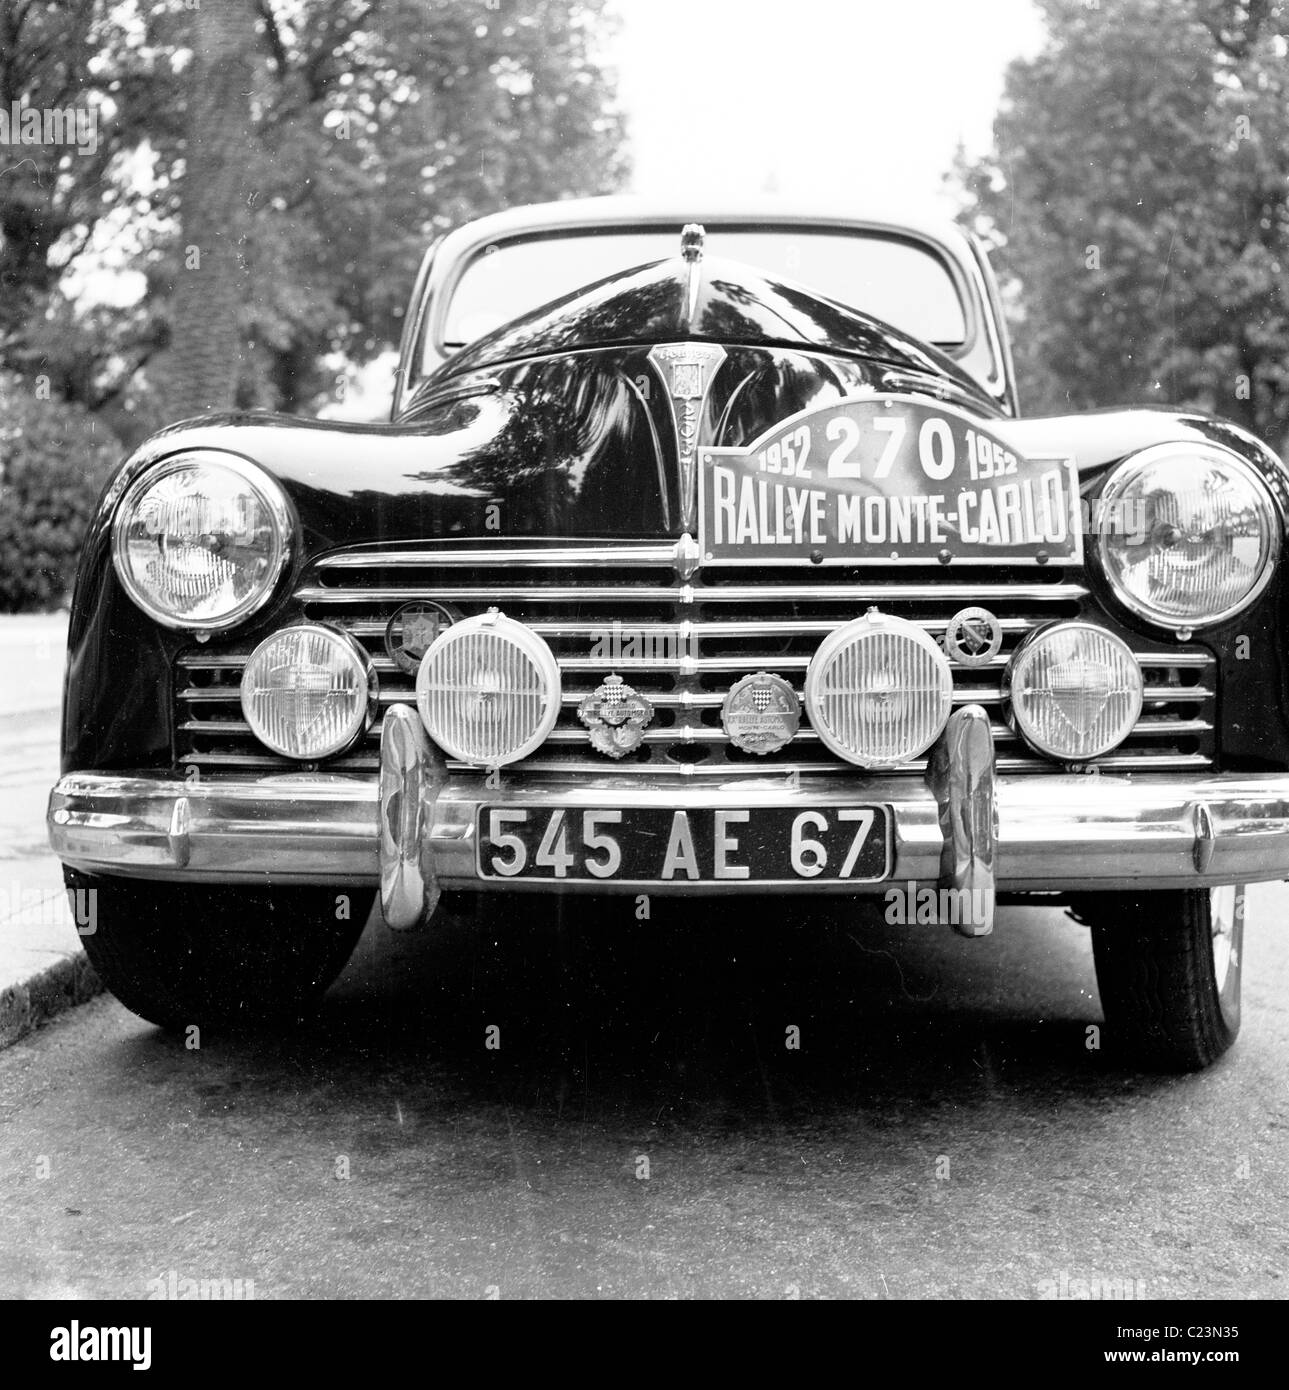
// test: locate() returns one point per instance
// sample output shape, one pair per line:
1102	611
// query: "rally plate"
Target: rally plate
769	845
886	479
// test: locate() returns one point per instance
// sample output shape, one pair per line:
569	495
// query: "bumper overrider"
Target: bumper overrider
413	830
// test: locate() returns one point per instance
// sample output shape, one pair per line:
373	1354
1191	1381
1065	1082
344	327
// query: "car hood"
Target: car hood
709	300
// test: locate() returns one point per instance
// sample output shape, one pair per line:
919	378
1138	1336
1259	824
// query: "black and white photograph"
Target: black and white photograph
644	656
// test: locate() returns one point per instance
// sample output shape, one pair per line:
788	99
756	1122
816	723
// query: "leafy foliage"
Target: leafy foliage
1136	200
366	128
54	462
59	202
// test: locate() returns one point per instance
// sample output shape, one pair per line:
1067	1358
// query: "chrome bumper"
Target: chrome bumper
412	830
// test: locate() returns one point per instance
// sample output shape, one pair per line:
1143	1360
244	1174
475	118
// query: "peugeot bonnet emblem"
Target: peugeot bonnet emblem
411	631
973	637
616	717
688	370
761	713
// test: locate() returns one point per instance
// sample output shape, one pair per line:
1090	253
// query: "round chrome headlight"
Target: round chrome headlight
878	691
488	690
200	540
309	691
1074	690
1187	534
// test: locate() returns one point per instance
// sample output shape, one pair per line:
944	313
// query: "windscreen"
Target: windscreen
894	280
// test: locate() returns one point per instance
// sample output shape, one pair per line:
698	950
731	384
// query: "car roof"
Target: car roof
633	209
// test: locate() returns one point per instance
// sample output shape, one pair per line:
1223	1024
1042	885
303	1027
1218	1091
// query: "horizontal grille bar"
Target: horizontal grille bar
1113	762
687	699
664	556
678	556
1144	728
684	594
370	762
655	633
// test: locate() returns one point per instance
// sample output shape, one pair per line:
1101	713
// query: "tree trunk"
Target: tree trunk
199	370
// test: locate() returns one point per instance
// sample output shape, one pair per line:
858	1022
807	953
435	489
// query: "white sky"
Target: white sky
810	99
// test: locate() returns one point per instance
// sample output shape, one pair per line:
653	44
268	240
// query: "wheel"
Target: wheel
181	954
1168	968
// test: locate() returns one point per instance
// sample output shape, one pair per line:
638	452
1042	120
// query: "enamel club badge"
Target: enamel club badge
761	713
616	717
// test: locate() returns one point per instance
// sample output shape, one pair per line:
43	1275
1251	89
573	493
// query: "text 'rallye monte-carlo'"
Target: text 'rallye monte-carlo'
706	552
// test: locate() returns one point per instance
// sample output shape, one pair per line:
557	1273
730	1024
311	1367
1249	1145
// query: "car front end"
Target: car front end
689	585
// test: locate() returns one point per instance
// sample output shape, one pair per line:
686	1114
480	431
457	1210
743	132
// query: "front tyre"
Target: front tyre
179	954
1168	968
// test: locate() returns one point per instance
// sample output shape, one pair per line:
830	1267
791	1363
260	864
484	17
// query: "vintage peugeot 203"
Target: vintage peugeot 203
707	552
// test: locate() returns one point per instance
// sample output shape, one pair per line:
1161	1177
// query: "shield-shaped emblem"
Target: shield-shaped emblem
973	637
686	379
411	631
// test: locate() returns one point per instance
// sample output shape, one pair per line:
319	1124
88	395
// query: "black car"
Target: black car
673	575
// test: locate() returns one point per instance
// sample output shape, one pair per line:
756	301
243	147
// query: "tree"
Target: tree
203	362
1136	205
386	123
92	61
366	127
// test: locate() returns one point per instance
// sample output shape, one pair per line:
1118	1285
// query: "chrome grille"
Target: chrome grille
683	642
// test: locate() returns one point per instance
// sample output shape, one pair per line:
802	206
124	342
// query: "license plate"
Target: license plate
647	844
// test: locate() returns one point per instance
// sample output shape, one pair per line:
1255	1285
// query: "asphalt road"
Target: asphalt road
644	1131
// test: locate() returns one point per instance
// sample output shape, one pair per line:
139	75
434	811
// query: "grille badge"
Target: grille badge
411	631
761	714
973	637
616	717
